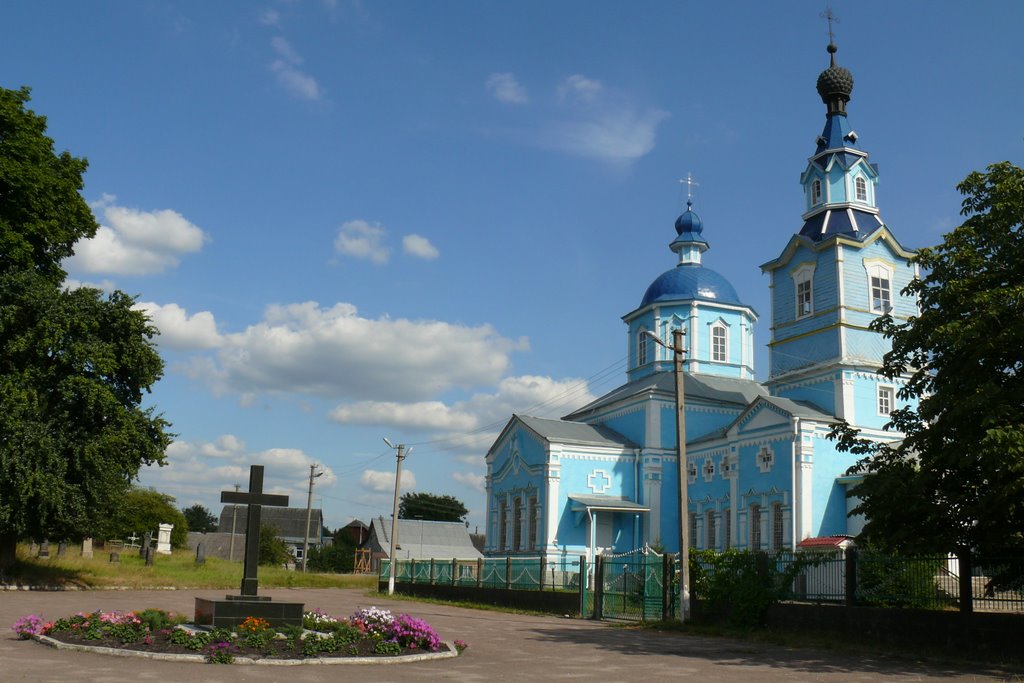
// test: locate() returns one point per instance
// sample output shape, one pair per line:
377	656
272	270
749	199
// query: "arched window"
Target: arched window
641	347
502	526
861	188
755	527
726	528
532	521
719	343
816	192
777	528
517	524
709	530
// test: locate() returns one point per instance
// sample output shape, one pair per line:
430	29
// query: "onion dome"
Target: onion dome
688	221
835	85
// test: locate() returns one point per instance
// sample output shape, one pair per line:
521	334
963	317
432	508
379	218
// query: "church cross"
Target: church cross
829	16
255	499
689	182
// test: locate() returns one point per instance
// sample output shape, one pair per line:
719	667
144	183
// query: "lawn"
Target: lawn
177	570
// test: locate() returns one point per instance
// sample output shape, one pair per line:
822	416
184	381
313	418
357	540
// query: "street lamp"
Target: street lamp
684	517
401	453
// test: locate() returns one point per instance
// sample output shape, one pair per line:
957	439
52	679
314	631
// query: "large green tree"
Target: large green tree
432	507
199	518
956	481
74	365
141	510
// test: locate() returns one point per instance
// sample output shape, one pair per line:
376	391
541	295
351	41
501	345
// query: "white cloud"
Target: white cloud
420	246
304	348
134	242
289	75
475	481
362	240
105	286
505	88
581	87
618	136
269	16
199	471
384	482
179	330
422	415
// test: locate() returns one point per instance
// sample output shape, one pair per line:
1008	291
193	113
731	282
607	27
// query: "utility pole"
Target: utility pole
401	453
683	485
234	517
313	474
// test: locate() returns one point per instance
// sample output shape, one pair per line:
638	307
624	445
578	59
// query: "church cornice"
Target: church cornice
797	241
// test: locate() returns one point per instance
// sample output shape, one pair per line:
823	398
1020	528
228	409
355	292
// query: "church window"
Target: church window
861	188
803	281
755	527
719	343
765	459
503	526
517	524
726	528
879	285
691	472
709	530
693	530
531	511
816	192
777	535
886	396
641	347
709	470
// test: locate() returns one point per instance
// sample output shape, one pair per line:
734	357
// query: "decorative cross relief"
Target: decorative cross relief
598	481
709	469
765	459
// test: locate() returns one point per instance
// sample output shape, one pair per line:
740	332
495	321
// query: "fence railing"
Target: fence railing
513	573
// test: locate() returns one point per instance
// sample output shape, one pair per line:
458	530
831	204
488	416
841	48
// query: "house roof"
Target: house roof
289	522
826	542
425	539
565	431
707	388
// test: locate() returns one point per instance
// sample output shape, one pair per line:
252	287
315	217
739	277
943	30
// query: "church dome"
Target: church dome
688	221
690	281
835	84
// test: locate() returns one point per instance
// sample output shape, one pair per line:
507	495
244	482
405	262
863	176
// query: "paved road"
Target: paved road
503	647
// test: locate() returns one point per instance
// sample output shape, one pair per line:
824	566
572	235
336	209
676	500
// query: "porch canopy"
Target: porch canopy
580	504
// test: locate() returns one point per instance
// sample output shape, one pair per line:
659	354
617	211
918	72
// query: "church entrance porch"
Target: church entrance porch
613	525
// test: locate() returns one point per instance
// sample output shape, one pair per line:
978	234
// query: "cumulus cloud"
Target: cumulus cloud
470	479
420	247
134	242
269	16
304	348
422	415
384	482
289	75
362	240
581	87
505	88
618	136
179	330
197	471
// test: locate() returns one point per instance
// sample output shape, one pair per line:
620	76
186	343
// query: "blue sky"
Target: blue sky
353	220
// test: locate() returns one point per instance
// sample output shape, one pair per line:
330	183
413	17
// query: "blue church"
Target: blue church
761	473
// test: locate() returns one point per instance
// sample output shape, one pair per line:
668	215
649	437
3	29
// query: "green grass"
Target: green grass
177	569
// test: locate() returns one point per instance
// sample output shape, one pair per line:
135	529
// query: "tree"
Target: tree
273	550
142	510
74	365
956	480
433	507
199	518
338	557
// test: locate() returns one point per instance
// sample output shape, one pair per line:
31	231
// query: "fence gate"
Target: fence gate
631	587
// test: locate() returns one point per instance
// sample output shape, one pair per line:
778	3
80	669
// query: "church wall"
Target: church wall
590	474
805	351
630	421
516	471
828	501
837	184
818	390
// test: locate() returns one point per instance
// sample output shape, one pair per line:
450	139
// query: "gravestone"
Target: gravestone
44	549
62	549
147	539
163	539
32	548
200	554
234	609
115	558
87	548
149	556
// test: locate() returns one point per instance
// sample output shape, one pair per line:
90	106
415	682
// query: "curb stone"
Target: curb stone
327	661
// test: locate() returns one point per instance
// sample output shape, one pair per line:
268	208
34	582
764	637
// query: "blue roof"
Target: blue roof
839	224
834	136
690	281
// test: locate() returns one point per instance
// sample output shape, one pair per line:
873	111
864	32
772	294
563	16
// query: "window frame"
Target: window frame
886	392
641	347
778	527
517	524
860	189
726	528
816	194
719	337
531	523
709	530
754	523
803	290
502	525
880	302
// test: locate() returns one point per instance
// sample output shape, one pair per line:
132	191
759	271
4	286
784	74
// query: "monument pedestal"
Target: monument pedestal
235	609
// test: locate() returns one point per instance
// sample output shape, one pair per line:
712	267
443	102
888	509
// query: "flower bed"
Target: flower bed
370	632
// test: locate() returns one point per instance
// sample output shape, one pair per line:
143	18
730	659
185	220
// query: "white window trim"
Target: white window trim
801	274
856	196
874	268
720	325
641	347
817	194
891	391
708	469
